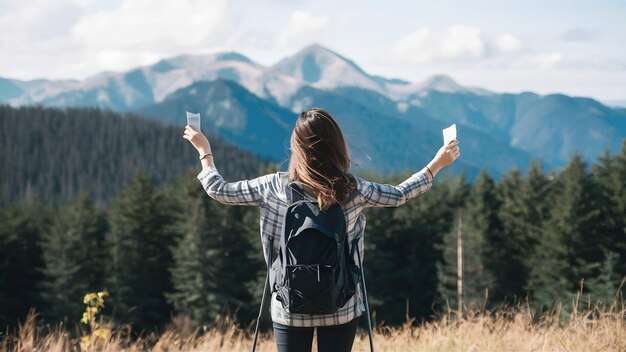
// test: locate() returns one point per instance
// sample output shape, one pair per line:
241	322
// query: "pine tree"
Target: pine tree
620	211
403	248
570	245
521	212
74	257
139	242
237	270
479	220
603	288
215	264
21	228
610	174
547	279
505	252
193	273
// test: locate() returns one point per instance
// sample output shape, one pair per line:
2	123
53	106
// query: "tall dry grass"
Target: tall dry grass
597	328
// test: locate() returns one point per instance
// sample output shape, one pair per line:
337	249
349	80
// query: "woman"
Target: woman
320	162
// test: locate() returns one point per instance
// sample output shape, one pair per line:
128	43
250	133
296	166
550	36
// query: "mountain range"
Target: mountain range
391	125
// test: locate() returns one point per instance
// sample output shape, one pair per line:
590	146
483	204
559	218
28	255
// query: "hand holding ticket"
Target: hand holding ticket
194	135
447	153
193	119
449	134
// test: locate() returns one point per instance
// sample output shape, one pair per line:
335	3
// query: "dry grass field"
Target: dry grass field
595	329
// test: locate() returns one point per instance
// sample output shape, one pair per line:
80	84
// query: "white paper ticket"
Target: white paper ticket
193	120
449	134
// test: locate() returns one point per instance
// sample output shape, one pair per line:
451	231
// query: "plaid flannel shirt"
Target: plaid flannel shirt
270	193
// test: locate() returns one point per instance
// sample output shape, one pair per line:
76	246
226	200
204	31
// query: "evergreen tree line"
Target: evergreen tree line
57	153
169	249
541	237
157	250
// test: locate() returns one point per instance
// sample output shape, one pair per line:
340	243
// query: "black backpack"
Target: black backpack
315	272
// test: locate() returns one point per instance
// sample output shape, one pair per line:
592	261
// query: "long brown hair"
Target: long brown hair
319	157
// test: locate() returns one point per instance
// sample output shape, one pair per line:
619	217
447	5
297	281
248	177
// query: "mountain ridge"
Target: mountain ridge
547	127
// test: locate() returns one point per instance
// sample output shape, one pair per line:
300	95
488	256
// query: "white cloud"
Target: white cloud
415	47
456	43
508	43
545	61
302	28
35	38
36	20
146	25
462	42
76	38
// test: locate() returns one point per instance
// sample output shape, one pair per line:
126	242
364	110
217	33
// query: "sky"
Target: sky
572	47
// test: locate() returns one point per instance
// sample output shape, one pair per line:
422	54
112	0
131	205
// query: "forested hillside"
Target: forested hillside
56	153
162	247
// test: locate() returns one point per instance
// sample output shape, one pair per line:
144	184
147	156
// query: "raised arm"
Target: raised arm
384	195
247	192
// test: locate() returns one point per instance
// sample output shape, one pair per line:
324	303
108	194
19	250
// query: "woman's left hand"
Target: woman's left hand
197	139
447	154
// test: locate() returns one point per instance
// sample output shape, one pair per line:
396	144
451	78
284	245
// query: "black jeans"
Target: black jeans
336	338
